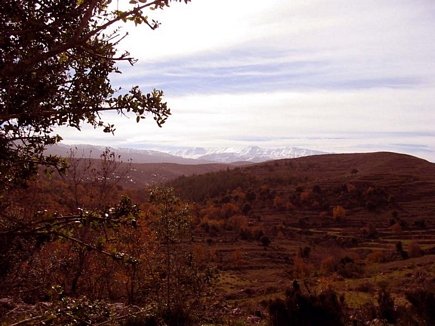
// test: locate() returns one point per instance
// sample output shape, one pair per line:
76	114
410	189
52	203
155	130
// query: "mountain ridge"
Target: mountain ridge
188	155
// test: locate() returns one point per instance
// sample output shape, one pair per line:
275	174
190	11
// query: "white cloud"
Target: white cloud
333	76
330	121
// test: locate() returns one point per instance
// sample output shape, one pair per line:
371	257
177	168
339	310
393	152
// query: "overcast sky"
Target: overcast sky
330	75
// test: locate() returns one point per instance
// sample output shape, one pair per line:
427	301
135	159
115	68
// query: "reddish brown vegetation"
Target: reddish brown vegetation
263	225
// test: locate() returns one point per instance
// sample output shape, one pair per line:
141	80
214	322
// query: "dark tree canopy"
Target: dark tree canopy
55	60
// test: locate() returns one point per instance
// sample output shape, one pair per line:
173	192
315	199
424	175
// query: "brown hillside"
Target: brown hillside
148	174
384	198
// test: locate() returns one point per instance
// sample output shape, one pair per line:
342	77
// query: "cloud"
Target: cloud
336	76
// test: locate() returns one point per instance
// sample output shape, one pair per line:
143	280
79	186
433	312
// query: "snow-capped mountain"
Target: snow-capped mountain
248	154
193	155
127	154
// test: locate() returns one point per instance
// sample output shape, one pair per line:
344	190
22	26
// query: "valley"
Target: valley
360	225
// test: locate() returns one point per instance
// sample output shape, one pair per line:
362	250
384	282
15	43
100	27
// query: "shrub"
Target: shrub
366	287
421	224
375	257
370	231
300	309
246	208
265	241
423	303
397	228
301	268
386	305
328	265
399	248
348	268
339	213
414	249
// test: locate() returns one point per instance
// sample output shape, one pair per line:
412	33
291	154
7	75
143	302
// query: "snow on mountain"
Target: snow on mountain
193	155
248	154
127	154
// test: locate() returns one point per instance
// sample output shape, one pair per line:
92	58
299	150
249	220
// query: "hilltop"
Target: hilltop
332	220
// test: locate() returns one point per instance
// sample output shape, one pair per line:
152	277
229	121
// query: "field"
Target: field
383	235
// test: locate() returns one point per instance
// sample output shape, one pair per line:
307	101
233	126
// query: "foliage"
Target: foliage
265	241
422	301
106	253
56	58
305	309
339	213
183	273
386	304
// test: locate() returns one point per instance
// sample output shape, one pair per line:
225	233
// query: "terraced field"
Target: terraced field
387	199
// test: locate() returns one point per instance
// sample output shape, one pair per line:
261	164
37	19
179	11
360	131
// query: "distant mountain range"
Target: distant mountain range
194	155
253	154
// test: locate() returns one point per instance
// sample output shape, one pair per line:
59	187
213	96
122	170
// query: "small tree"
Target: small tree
339	213
180	281
386	304
265	241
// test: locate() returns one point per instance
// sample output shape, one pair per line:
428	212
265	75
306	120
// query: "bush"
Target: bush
348	268
339	213
423	303
375	257
301	309
265	241
414	249
386	305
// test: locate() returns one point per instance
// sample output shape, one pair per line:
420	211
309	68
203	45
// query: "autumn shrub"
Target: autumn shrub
305	195
246	208
350	187
414	249
348	268
366	287
228	210
328	265
246	233
278	203
369	231
386	304
238	222
399	248
423	303
237	258
338	213
265	241
257	232
299	309
397	228
375	257
420	223
301	268
304	252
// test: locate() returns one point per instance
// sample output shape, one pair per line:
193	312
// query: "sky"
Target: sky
339	76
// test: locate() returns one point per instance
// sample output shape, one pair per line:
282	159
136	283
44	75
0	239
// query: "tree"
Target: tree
182	272
55	61
265	241
56	58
